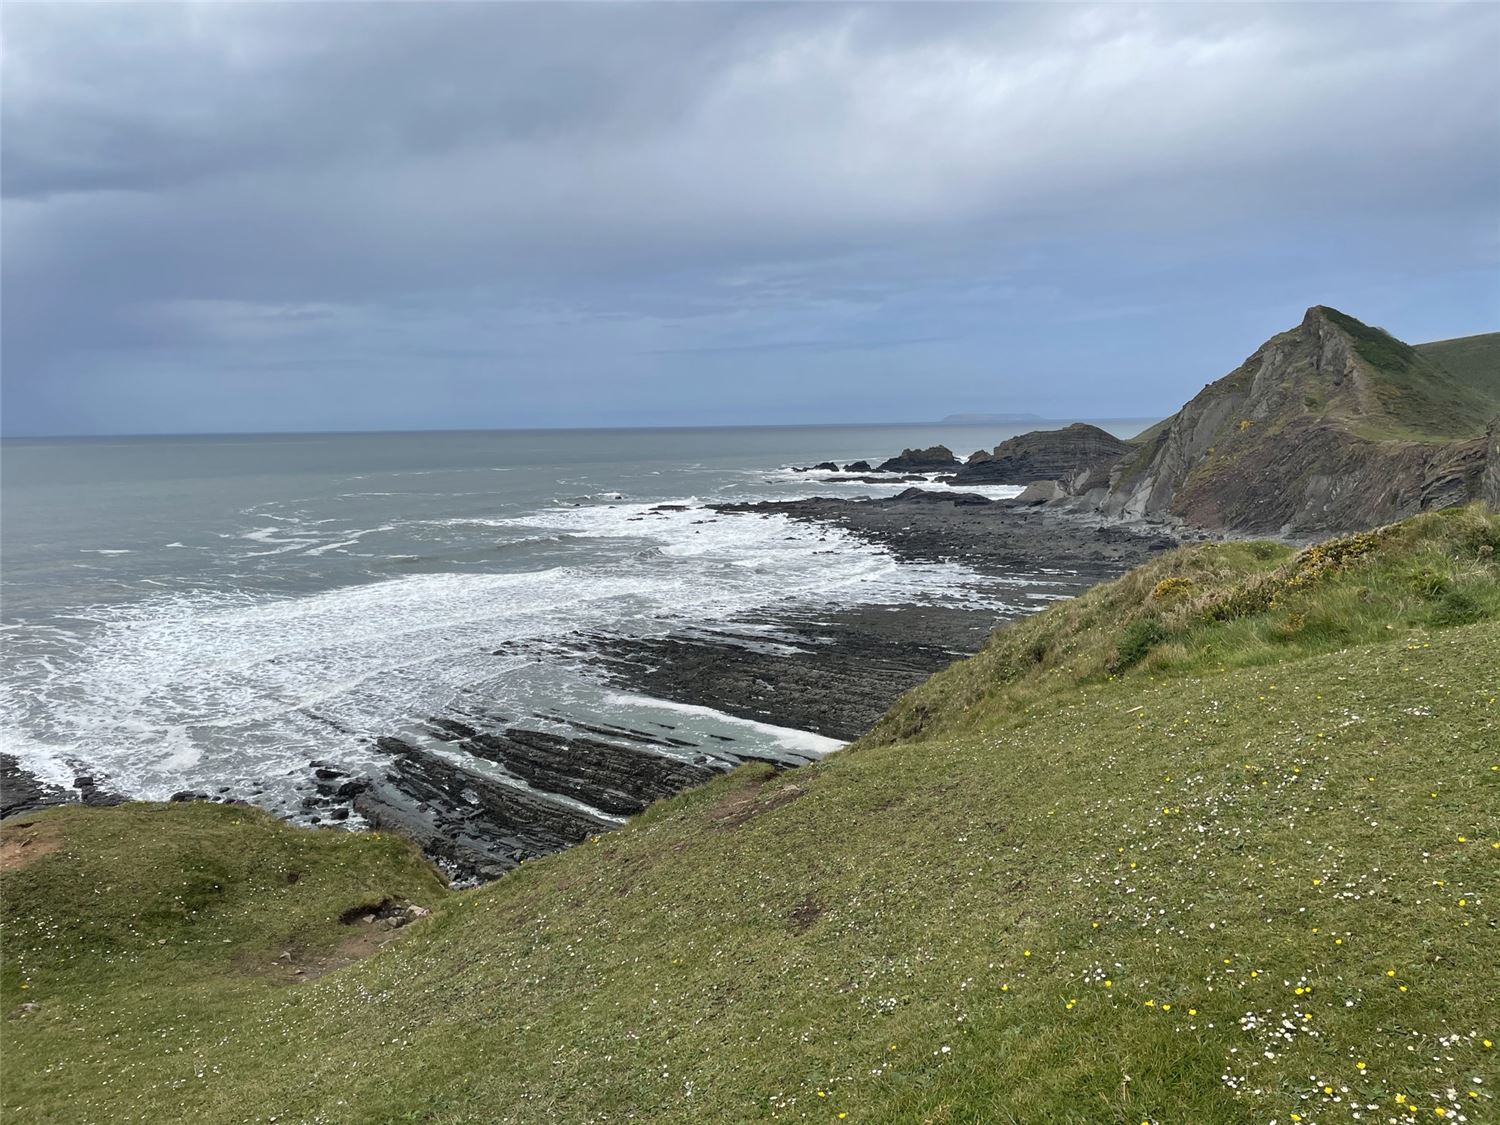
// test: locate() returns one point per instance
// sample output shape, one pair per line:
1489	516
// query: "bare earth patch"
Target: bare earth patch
804	914
24	844
745	805
372	928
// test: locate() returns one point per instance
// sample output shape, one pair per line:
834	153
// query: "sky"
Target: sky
366	216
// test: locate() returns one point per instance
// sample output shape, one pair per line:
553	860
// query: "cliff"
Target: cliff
1064	881
1330	426
1078	457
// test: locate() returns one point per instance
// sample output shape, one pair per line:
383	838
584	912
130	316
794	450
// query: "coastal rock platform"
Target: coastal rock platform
482	793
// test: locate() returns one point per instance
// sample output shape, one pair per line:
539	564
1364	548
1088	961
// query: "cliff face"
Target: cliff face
1331	426
1078	457
1489	481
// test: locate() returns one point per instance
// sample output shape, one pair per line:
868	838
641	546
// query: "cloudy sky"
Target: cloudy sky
382	215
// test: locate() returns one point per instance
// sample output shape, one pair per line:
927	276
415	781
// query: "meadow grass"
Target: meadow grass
1231	867
1472	360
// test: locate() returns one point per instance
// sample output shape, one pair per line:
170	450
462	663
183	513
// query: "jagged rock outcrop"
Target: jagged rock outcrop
1489	481
920	461
1077	457
1332	426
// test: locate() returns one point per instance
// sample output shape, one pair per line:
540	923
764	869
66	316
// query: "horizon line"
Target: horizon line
4	437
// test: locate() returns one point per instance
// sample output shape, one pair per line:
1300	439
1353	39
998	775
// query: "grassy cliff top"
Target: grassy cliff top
1472	360
1242	864
1416	397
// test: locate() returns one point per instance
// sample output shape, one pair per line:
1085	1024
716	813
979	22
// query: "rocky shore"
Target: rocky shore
832	672
481	794
22	792
995	537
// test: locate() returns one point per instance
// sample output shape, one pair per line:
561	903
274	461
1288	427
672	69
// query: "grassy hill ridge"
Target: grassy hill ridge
1473	361
1238	864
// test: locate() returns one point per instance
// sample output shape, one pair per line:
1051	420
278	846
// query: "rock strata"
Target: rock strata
620	780
920	460
995	537
1332	426
1489	481
479	802
477	826
1077	457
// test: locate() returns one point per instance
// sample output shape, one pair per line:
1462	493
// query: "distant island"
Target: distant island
985	419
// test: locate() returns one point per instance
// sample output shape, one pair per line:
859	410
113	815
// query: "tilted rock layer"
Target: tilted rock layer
919	460
1077	457
1331	426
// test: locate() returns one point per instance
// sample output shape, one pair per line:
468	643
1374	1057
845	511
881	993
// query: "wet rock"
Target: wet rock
846	670
1076	458
475	825
920	460
390	745
92	795
619	780
450	730
994	538
22	792
932	496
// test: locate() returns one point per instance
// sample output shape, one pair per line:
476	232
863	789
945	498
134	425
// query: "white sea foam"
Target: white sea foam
788	483
207	687
788	738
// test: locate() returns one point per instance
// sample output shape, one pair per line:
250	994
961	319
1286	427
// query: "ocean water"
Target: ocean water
197	612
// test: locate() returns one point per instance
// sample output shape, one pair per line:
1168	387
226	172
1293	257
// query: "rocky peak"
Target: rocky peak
1332	425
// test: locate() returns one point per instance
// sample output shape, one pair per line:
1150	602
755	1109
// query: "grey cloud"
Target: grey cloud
300	183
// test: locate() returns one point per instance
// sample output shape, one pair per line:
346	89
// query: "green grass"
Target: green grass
1472	360
1200	609
1420	400
1226	867
202	880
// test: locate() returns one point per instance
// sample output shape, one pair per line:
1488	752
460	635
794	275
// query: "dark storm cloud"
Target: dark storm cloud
224	216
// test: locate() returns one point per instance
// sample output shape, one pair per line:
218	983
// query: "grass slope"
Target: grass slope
1418	399
1241	865
1473	360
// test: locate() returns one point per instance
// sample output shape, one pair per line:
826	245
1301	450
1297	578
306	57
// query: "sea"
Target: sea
213	612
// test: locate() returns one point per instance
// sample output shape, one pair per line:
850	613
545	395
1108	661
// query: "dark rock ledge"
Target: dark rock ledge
22	792
481	793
